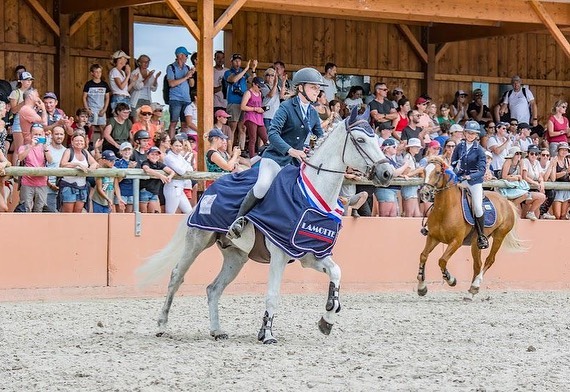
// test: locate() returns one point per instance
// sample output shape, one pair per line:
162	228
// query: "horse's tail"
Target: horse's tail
512	242
159	264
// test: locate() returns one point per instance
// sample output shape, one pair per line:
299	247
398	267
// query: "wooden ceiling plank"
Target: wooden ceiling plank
454	33
80	22
186	20
547	19
413	42
228	14
40	10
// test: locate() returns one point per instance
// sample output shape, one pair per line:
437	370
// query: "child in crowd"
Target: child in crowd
82	123
96	96
125	184
151	188
107	187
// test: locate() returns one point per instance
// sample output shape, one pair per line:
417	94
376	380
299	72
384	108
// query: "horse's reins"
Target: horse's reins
361	151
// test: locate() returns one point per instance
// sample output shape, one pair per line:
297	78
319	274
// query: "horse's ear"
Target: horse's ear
366	114
353	115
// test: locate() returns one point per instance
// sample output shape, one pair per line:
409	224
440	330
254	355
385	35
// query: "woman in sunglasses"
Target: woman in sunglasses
532	173
144	121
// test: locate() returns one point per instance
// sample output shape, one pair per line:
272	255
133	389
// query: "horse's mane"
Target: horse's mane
438	160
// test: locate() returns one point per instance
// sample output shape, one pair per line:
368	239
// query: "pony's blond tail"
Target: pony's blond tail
512	242
162	262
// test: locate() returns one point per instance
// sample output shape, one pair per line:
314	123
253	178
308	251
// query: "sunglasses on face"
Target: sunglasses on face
514	124
544	155
450	146
146	114
532	153
491	127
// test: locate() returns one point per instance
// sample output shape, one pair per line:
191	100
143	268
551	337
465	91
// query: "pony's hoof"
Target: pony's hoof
473	290
159	334
452	282
423	291
325	327
270	341
218	335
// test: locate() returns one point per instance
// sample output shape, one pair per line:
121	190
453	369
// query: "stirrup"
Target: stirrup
234	231
482	242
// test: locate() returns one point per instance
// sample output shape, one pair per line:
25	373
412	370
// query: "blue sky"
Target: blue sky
159	42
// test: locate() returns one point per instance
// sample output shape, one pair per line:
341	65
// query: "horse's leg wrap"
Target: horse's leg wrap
265	333
422	287
449	278
333	301
422	273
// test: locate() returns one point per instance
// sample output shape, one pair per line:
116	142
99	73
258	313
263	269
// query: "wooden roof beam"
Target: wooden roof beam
80	22
186	20
551	26
412	40
480	12
40	10
228	14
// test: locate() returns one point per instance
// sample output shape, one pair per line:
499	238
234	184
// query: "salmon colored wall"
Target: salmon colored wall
65	251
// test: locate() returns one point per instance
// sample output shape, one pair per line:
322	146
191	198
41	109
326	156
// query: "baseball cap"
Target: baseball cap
455	128
221	113
461	92
524	125
50	95
125	145
414	142
389	142
119	53
503	124
156	106
516	78
236	56
109	155
259	81
26	76
398	89
154	149
216	133
434	144
477	91
421	100
181	50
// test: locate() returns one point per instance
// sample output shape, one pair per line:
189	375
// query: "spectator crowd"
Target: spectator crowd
121	126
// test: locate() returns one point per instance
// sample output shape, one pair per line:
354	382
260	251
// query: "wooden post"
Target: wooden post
205	74
127	33
430	67
62	86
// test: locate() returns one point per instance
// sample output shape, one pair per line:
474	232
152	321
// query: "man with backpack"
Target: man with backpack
235	81
176	90
520	103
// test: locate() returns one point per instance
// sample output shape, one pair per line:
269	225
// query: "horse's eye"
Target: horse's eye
360	140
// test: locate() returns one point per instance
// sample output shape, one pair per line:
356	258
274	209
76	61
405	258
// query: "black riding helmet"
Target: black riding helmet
142	134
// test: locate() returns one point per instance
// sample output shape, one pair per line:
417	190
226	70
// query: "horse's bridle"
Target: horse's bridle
428	191
370	164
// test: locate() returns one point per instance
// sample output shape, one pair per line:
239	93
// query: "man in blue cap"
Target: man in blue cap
179	76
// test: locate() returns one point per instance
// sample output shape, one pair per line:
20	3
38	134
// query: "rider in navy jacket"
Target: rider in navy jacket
468	161
293	122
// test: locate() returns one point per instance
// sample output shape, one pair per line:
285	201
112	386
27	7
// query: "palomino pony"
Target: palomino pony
351	143
447	225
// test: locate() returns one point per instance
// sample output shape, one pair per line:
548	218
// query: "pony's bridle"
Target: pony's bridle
427	192
370	164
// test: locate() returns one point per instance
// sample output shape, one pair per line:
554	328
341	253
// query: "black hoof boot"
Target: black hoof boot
325	327
424	231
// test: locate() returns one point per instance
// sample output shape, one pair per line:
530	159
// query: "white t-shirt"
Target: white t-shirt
518	104
219	101
498	159
330	89
192	110
353	102
115	90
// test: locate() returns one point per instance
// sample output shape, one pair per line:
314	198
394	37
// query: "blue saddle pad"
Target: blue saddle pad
488	208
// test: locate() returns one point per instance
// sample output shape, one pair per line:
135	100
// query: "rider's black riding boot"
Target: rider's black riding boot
482	241
247	204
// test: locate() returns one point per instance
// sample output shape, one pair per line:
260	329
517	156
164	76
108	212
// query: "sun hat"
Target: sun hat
119	53
455	128
512	151
414	142
562	145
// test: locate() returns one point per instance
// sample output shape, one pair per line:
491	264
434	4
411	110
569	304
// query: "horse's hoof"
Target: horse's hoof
270	341
222	336
325	327
452	283
159	334
473	290
423	291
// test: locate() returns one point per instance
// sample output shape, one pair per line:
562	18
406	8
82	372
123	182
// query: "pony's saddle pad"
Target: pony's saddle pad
488	208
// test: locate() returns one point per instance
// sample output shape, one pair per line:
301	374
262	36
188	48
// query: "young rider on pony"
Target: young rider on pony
295	119
468	161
